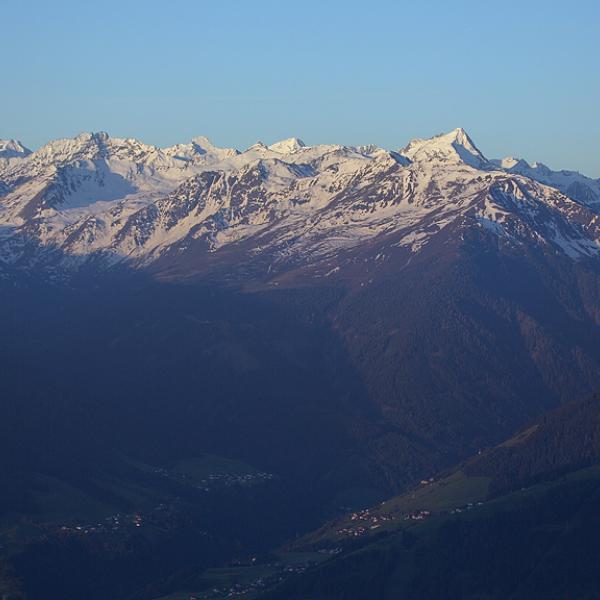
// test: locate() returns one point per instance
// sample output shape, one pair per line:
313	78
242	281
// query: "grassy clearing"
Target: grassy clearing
446	494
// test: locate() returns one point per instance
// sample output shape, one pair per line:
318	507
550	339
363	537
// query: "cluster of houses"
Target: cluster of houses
215	480
110	524
164	516
364	521
260	583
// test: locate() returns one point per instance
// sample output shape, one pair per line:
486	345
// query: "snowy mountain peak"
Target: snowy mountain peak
91	146
203	142
200	149
460	136
13	149
90	136
258	145
575	185
455	146
287	146
202	145
510	162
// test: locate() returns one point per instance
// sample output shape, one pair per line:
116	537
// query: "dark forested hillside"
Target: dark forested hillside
533	534
342	392
561	441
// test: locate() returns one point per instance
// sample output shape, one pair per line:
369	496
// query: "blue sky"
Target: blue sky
522	78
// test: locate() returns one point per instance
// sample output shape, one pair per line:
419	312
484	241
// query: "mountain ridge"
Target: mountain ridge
111	200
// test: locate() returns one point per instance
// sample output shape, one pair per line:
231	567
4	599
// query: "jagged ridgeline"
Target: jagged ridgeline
107	200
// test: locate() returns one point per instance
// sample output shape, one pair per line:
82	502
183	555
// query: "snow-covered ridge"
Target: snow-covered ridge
108	200
13	149
573	184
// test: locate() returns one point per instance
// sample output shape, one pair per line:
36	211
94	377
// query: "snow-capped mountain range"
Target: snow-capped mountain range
108	200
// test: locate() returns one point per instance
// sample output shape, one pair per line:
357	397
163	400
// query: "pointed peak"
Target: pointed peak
456	137
13	149
460	135
287	146
258	145
203	142
454	146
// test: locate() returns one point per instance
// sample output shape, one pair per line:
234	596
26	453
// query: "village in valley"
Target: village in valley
372	520
163	516
154	509
215	480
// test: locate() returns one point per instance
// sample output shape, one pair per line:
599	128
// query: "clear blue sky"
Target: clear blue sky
522	77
